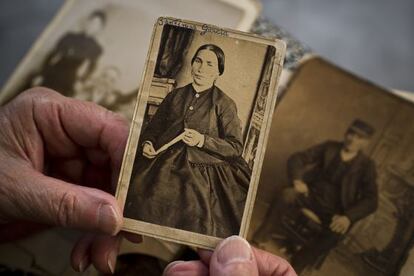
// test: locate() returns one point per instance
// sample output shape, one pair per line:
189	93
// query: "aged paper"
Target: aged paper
218	85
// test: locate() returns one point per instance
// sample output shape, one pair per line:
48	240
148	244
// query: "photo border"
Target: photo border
174	234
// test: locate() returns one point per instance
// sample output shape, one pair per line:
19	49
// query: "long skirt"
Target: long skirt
204	198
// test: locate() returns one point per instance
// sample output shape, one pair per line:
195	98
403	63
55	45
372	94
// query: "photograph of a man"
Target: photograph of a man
333	185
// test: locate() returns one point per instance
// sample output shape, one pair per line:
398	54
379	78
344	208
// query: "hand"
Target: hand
301	187
148	150
233	256
340	224
51	149
193	138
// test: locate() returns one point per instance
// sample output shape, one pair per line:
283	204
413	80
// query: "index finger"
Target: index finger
67	124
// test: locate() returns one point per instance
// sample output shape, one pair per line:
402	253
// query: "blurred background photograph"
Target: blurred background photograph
90	46
336	194
96	50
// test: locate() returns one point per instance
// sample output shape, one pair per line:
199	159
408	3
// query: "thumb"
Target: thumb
55	202
233	256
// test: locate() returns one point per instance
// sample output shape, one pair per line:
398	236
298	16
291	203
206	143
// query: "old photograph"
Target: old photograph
336	193
199	130
95	50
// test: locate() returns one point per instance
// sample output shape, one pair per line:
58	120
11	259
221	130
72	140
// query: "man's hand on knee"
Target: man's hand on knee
340	224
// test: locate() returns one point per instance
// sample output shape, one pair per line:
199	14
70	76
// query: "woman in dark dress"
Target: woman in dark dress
200	183
73	52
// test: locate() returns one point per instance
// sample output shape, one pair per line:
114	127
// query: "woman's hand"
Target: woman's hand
148	150
193	138
59	161
232	257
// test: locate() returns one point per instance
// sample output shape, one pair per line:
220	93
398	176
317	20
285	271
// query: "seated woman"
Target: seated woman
200	183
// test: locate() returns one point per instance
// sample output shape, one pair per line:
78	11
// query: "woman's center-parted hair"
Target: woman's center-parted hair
217	51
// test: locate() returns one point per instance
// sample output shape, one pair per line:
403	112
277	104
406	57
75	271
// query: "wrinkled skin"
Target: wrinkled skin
232	257
59	162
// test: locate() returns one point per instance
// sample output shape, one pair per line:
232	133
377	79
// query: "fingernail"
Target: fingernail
234	249
168	268
112	261
84	263
107	219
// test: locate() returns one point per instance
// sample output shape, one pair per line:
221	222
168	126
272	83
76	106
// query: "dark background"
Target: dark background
372	38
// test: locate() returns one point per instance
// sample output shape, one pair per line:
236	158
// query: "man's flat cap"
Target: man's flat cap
362	128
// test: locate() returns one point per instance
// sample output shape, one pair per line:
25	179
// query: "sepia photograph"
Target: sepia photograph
83	54
336	194
198	137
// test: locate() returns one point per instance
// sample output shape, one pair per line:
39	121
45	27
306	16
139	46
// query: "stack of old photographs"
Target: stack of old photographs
101	46
336	189
96	51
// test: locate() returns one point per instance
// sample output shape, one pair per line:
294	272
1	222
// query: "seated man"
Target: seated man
336	182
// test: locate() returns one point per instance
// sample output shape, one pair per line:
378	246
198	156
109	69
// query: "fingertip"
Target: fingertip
110	215
111	260
233	256
205	255
233	249
135	238
185	268
104	252
110	218
169	269
80	256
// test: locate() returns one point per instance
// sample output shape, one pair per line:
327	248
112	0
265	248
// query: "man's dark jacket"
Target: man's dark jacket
359	195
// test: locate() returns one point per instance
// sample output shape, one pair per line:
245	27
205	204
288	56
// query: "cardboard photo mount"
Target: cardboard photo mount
173	234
